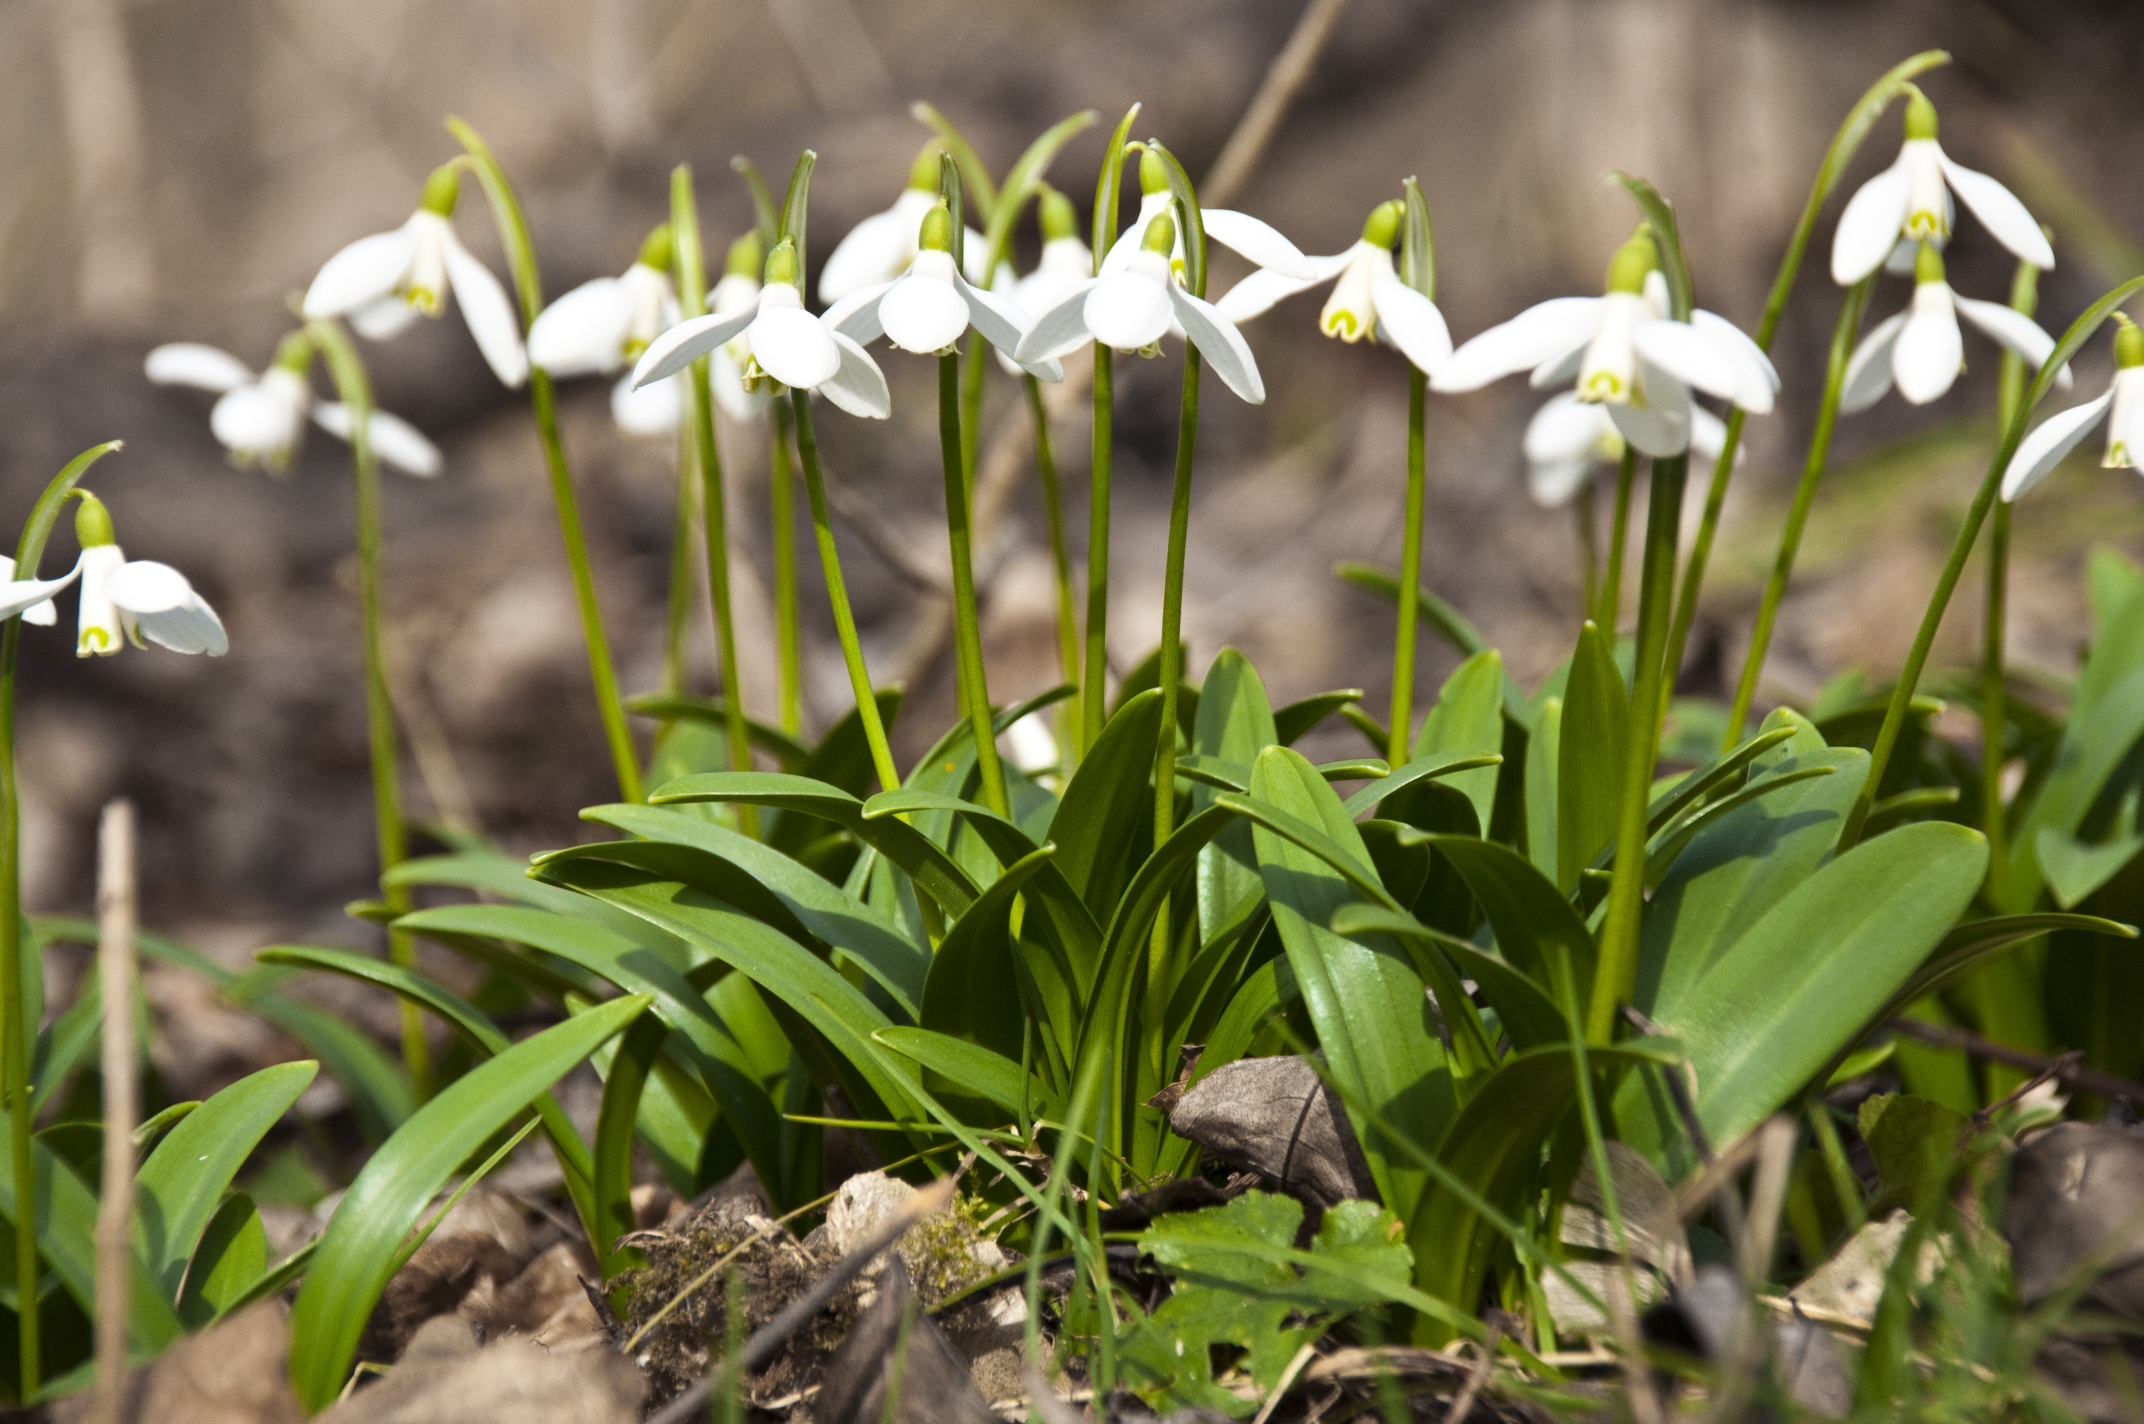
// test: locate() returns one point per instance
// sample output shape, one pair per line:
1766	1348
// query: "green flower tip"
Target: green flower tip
1383	227
1632	261
747	255
937	233
2128	343
442	188
782	264
1920	114
923	173
92	522
1927	264
295	353
1059	218
1160	235
1153	173
658	250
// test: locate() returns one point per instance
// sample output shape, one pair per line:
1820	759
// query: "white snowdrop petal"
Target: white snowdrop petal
2000	212
1761	377
793	346
1411	322
2010	327
653	409
1221	344
1128	242
192	627
384	318
1868	370
584	331
1708	435
253	419
1565	428
873	251
146	586
1059	329
490	315
1559	370
1929	352
189	363
1661	427
1695	358
1869	227
856	315
1551	484
857	386
727	381
687	342
2039	452
366	270
1004	323
1258	240
402	445
1128	310
1538	334
922	314
975	257
1259	293
32	598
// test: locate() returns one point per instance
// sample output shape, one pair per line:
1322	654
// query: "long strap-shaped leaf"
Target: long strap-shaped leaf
357	1254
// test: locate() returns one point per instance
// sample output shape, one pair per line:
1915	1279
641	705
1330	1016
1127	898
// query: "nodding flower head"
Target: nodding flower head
881	247
1922	349
2121	406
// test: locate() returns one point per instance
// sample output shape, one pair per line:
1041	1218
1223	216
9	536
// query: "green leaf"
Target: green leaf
1525	1010
1428	766
357	1254
1468	719
178	1188
1021	178
932	870
796	204
1109	185
1293	722
1667	236
1543	791
232	1254
983	193
1589	756
976	1069
1772	1008
74	1034
1535	927
973	991
379	1095
715	712
1107	804
1472	1051
625	1081
1235	722
1916	1144
1363	996
1670	844
1975	942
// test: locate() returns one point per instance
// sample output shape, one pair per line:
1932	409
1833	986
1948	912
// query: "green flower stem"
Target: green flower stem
1844	145
513	227
837	593
1162	973
1094	670
692	302
971	411
1617	975
1909	677
1852	307
1994	712
1410	567
1610	607
1054	510
17	1024
781	507
967	637
355	388
679	611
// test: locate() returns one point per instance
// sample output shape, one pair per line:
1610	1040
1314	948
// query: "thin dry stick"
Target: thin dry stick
1284	80
1485	1360
776	1332
1274	1395
115	970
2091	1080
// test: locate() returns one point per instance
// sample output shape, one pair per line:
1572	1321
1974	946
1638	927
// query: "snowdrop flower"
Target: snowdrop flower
881	247
1921	350
1239	232
1626	353
142	599
32	598
1065	263
1910	202
1568	437
784	343
1368	298
1132	308
737	291
261	419
2122	407
386	281
930	306
604	324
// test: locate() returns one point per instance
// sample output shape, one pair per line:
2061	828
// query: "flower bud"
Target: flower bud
923	173
2128	343
1153	173
937	233
1632	261
295	353
782	264
1927	264
658	251
1059	218
747	255
1383	227
1920	114
1160	235
93	522
441	189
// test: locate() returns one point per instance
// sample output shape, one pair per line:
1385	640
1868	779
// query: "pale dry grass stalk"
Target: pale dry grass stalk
115	1205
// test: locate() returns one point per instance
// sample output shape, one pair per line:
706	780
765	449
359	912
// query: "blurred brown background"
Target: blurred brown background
178	169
